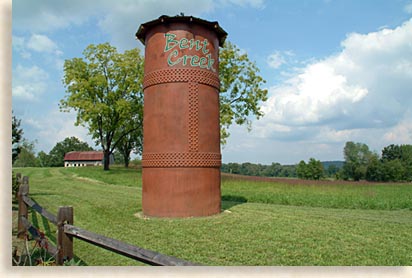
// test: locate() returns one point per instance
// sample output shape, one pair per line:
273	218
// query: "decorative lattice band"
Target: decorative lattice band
193	117
189	159
181	75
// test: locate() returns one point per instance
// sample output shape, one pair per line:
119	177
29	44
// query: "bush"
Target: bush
14	184
313	170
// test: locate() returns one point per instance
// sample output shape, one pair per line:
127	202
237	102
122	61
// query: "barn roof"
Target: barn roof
83	156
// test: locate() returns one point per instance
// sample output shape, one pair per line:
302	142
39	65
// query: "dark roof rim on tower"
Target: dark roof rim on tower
141	32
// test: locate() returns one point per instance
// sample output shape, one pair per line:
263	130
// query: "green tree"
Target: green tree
397	161
406	159
232	168
56	155
374	171
17	135
288	171
357	157
118	157
105	89
301	169
241	90
332	170
273	170
43	159
132	141
391	152
393	170
313	170
27	155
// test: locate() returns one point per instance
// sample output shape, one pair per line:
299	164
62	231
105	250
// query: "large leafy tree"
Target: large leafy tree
105	89
56	155
397	162
241	91
357	157
17	136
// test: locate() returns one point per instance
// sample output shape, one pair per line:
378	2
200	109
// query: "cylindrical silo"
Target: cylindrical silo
181	133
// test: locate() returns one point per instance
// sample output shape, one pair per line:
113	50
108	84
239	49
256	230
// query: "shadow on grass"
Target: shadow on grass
51	235
229	201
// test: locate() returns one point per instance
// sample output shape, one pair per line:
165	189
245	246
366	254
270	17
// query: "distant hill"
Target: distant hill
337	163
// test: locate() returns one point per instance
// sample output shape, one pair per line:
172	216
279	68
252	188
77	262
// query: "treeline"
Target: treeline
394	164
24	151
26	154
314	169
27	157
251	169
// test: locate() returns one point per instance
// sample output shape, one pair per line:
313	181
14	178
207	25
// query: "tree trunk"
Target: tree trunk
126	157
106	160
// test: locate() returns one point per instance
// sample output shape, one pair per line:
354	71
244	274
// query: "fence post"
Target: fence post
18	183
64	241
23	211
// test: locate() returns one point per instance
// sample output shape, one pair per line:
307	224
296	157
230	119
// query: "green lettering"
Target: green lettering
173	58
185	59
198	46
211	62
191	42
172	54
204	49
194	61
183	43
195	43
170	42
203	63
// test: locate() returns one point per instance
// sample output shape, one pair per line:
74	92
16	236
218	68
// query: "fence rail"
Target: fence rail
35	206
66	232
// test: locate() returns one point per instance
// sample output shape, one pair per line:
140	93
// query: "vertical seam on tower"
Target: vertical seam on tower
193	117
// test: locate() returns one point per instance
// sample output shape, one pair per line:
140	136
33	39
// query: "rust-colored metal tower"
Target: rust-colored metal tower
181	147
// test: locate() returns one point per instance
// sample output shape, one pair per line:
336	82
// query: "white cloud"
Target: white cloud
131	14
54	127
119	19
316	95
275	60
42	43
51	15
366	85
29	83
19	43
401	133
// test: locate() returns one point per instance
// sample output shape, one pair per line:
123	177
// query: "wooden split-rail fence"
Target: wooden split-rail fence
66	231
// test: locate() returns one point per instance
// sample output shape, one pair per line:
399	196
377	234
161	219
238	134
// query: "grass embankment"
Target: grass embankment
268	223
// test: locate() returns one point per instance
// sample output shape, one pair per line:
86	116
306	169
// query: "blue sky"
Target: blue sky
336	71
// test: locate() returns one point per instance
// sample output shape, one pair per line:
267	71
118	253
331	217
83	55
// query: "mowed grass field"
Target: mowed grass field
263	223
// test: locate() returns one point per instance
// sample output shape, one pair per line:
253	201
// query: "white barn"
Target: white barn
79	159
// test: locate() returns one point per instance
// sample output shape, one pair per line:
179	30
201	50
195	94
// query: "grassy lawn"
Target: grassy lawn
317	194
264	223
